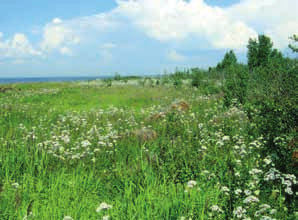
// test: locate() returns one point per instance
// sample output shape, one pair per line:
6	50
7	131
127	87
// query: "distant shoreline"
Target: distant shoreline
13	80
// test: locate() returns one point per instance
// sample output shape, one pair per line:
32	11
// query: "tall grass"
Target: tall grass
75	151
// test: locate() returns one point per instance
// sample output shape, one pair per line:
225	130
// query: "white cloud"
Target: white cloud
17	47
180	23
275	18
230	27
57	21
175	56
67	33
175	20
56	36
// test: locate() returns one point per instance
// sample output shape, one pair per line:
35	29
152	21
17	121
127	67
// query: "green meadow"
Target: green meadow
135	149
195	144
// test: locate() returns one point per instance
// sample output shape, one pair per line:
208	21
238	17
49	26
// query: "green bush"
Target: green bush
236	83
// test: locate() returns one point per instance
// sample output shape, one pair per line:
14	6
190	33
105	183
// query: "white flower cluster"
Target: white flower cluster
287	180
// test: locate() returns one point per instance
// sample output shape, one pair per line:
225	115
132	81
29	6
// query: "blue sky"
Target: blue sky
100	37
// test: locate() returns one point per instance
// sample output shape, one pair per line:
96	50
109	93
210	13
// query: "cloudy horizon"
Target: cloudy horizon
135	36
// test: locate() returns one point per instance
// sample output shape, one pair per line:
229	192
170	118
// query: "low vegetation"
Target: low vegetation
196	144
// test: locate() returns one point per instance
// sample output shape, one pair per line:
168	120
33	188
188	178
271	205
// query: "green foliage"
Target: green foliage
293	47
180	74
229	59
117	77
71	149
252	53
273	97
264	50
108	83
66	148
197	77
259	52
236	83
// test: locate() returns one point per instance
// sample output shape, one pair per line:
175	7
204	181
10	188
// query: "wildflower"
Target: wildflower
238	191
289	191
205	172
266	218
65	139
247	192
29	216
288	183
93	130
15	185
237	174
203	148
219	143
265	206
272	174
272	211
101	143
251	199
191	183
103	206
255	143
225	138
267	160
290	177
85	143
225	189
238	162
239	212
236	147
106	217
216	208
255	171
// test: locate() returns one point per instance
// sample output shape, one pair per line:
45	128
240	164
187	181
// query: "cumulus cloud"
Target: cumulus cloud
58	35
191	23
57	21
67	33
175	20
17	47
278	19
220	28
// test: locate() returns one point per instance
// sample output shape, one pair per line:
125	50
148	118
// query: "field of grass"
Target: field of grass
82	150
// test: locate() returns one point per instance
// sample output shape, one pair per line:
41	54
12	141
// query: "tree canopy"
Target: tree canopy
259	51
292	46
228	60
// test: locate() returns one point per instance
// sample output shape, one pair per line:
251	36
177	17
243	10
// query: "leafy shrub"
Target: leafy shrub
236	83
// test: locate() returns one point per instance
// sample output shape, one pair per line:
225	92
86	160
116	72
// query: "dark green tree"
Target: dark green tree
228	60
259	51
252	54
264	50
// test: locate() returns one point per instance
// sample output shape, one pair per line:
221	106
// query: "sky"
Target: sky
134	37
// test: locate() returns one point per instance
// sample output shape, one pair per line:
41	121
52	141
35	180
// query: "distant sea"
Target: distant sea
49	79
